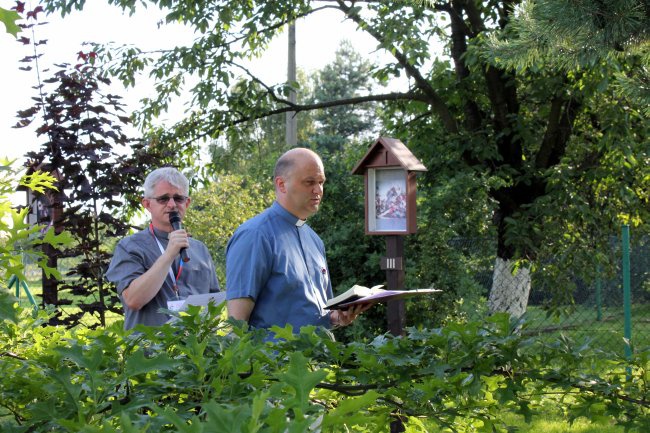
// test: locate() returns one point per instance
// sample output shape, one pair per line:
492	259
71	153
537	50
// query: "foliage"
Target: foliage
346	77
203	374
219	208
85	149
20	241
545	33
9	18
513	137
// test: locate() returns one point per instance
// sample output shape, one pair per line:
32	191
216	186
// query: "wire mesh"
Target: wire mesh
593	312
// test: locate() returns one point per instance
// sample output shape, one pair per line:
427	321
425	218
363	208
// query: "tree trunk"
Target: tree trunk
510	290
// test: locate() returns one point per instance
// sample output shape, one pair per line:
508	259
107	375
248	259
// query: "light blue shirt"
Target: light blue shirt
282	267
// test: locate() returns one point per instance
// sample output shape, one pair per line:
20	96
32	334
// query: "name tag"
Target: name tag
175	305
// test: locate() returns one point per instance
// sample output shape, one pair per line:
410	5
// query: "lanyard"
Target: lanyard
171	273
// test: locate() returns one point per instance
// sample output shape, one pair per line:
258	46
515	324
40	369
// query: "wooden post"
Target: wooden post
392	263
291	132
51	214
395	310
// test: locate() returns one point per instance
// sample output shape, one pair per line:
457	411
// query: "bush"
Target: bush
202	373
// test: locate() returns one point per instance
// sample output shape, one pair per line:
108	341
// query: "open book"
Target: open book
364	295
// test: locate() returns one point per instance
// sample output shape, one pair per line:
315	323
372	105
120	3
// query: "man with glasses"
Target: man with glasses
146	266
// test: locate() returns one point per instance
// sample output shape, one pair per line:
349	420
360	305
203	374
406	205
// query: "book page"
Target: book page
204	299
383	296
355	292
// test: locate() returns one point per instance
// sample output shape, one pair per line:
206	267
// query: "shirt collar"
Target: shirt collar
160	234
286	215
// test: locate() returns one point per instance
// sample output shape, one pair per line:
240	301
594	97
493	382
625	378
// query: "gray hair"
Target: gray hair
168	174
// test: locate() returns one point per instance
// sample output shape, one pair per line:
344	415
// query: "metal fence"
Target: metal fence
597	311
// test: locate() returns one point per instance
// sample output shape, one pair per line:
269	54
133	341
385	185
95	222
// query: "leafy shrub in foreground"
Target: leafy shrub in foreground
202	373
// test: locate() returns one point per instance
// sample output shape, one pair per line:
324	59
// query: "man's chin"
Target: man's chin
313	209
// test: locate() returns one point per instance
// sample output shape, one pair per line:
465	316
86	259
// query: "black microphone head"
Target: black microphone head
174	218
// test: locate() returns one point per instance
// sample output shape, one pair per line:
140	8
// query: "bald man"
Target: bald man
276	270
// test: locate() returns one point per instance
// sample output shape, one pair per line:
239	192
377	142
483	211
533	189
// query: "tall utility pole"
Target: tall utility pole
291	133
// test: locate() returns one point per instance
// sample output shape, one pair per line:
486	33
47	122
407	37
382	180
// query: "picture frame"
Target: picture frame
389	170
387	195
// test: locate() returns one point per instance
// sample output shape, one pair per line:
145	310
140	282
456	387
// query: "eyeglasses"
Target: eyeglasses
164	199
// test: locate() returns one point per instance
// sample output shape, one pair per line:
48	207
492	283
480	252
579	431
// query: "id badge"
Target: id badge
175	305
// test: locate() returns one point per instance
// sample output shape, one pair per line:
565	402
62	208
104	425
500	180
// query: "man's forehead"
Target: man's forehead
164	185
314	175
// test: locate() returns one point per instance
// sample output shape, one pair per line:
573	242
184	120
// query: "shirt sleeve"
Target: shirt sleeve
249	262
126	265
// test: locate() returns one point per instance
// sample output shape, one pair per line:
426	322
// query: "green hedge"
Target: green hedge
205	374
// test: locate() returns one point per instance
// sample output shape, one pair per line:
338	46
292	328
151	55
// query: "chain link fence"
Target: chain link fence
595	311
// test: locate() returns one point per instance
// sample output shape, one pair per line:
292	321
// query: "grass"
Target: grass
583	322
551	420
35	289
551	424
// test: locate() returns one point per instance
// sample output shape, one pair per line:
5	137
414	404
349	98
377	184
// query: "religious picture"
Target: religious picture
44	212
43	209
390	200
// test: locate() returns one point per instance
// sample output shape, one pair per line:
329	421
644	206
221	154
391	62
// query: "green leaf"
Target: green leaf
181	425
352	411
89	359
72	389
64	238
259	403
301	379
39	181
231	418
138	364
285	333
9	18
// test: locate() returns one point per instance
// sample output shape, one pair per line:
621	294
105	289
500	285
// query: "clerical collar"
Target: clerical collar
286	215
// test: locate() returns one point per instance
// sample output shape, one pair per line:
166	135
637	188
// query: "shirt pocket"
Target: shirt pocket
197	276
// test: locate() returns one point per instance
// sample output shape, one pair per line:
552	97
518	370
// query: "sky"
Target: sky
317	40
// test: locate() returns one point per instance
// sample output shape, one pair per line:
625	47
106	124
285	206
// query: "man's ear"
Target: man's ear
280	185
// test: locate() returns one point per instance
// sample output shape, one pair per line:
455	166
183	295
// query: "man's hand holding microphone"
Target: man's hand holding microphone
175	221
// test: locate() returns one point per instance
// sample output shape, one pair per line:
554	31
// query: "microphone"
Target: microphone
175	221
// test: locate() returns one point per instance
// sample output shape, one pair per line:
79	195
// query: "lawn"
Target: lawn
552	420
582	322
557	424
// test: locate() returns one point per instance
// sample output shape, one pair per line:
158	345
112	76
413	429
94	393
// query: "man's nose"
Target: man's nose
318	189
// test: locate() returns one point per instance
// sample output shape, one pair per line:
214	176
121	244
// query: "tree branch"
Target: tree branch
558	131
459	33
293	107
11	355
434	99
